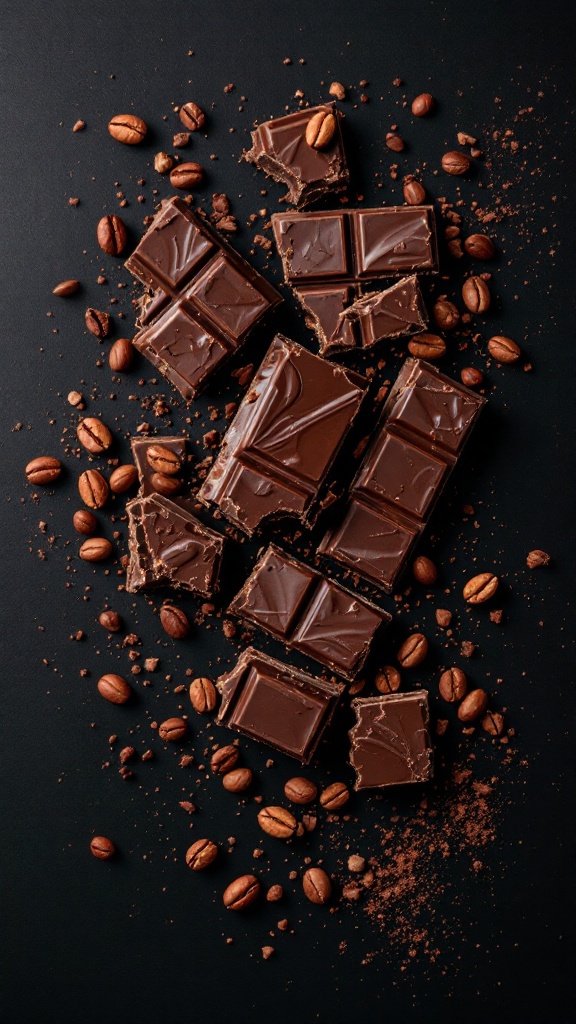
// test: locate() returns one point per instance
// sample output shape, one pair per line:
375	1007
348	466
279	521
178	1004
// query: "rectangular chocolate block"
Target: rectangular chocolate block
309	613
279	148
206	299
169	546
140	446
276	704
427	419
390	742
283	441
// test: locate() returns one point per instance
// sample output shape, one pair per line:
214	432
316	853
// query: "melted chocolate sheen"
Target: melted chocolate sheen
390	742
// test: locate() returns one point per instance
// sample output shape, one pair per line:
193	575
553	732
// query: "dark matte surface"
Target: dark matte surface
143	939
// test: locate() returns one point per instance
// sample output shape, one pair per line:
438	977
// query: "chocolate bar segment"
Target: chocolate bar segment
205	298
427	419
279	148
276	704
309	613
140	446
390	743
286	434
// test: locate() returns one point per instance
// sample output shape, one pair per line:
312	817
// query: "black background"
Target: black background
140	939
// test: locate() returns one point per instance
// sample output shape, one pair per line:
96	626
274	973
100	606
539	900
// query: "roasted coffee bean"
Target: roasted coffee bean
163	460
537	558
127	128
166	485
174	621
480	247
186	176
427	346
123	478
173	730
493	723
102	848
241	892
471	377
277	822
455	162
413	650
202	853
480	588
424	570
453	685
388	679
414	193
317	886
394	142
300	790
473	705
97	322
110	620
43	470
85	522
93	435
121	355
93	488
114	688
446	315
191	116
65	288
224	759
203	695
237	780
111	234
476	294
163	163
334	796
95	549
320	129
422	104
503	349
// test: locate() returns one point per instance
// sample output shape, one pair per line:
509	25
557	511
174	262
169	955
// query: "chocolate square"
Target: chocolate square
371	543
430	404
402	474
337	628
390	743
182	350
227	297
312	246
392	240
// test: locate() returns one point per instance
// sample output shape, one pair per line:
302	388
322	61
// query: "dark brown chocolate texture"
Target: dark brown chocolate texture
390	742
280	149
140	446
310	613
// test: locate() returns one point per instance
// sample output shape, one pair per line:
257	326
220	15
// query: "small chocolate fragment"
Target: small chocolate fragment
390	742
146	472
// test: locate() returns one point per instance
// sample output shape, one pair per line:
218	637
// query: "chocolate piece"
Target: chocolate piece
206	299
281	444
169	546
426	421
279	148
310	613
390	743
276	704
140	446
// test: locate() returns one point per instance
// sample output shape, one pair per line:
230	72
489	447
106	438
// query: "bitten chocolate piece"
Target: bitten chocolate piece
427	419
310	613
140	446
276	704
390	743
283	441
279	148
205	298
169	546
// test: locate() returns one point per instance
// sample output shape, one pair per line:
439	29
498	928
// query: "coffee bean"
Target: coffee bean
427	346
334	796
473	705
163	163
121	355
241	892
480	247
166	485
173	730
394	142
480	588
66	288
102	848
174	621
424	570
337	90
317	886
85	522
388	680
277	822
111	234
414	193
537	558
186	176
476	294
224	759
237	780
181	139
97	322
300	790
413	650
95	549
202	853
471	377
452	685
93	435
446	314
320	129
123	478
503	349
114	688
493	723
163	460
191	116
455	162
110	620
127	128
43	470
93	488
203	695
422	104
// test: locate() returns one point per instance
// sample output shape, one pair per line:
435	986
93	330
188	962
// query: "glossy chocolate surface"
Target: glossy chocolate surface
390	742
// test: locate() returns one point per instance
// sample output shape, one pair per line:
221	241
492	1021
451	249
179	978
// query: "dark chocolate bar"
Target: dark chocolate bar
390	743
277	704
279	148
206	298
426	421
281	444
140	446
310	613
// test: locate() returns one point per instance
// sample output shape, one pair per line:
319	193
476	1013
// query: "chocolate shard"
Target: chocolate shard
279	148
390	743
140	446
276	704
